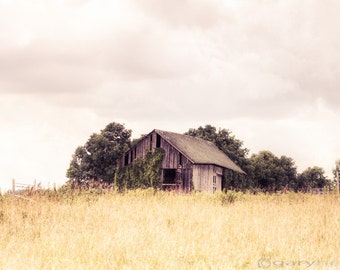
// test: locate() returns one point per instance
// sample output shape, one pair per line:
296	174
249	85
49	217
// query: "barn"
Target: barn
188	163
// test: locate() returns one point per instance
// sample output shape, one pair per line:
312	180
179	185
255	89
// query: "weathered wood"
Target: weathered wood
203	177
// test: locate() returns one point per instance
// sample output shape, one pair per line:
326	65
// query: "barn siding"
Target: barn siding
172	157
139	150
204	175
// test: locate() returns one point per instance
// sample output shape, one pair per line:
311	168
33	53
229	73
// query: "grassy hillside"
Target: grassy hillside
142	230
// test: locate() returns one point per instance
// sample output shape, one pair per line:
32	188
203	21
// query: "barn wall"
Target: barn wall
139	150
207	178
172	157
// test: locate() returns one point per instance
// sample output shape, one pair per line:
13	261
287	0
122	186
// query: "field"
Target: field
143	230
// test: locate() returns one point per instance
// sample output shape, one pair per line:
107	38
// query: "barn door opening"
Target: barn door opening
169	177
172	179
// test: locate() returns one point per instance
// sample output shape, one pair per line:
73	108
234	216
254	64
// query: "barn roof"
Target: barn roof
199	151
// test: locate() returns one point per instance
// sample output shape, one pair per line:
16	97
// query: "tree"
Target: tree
97	159
78	165
312	177
336	170
271	173
287	175
336	174
233	148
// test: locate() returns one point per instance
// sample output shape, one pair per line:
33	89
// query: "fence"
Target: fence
19	188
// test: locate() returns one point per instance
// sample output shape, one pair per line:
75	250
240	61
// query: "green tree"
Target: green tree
312	177
336	173
264	166
78	165
97	159
271	173
233	148
287	176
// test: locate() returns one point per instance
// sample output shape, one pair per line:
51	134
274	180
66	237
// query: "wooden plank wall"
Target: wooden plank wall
203	176
140	149
187	179
172	157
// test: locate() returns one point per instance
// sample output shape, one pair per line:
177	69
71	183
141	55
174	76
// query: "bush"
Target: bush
228	197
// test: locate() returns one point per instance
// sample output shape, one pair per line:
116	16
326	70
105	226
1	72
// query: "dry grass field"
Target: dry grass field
142	230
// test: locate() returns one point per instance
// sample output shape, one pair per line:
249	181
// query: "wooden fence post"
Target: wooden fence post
13	187
337	182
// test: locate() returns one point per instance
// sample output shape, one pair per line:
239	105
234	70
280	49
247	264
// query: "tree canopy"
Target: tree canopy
98	157
312	177
336	175
336	170
271	173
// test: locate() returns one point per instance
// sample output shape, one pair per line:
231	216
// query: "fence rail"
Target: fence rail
19	187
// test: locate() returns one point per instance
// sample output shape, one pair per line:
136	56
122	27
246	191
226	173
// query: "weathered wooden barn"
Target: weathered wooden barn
188	163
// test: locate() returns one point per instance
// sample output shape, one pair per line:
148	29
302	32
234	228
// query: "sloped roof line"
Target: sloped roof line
199	151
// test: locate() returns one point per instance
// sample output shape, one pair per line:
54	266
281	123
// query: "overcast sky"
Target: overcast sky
266	70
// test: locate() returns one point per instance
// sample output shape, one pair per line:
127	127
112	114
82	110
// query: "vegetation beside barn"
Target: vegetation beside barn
143	173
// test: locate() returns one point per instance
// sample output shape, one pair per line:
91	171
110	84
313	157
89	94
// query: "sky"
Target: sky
266	70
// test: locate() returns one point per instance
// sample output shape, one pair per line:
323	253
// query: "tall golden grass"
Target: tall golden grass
143	230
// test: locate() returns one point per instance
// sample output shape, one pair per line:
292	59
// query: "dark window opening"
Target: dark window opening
151	142
131	157
126	160
158	141
135	153
169	176
180	159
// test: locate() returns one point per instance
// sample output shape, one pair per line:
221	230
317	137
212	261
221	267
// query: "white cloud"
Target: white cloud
177	13
266	70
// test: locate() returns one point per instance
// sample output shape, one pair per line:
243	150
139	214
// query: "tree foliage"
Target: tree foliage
312	177
98	157
271	173
337	168
143	173
336	174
